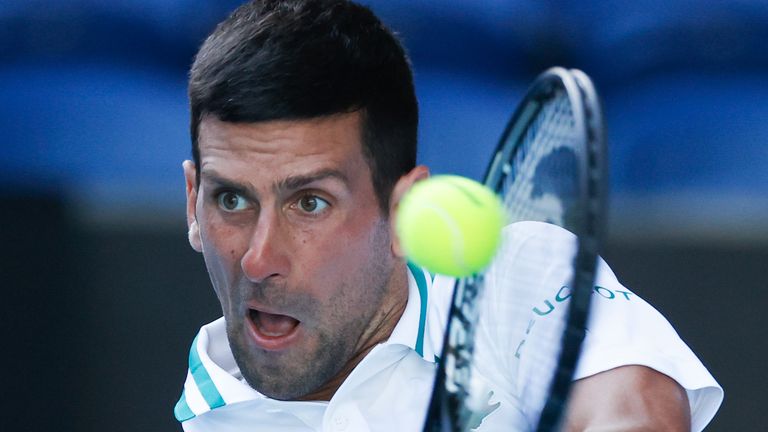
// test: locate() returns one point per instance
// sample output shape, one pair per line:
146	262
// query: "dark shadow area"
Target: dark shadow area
97	322
715	297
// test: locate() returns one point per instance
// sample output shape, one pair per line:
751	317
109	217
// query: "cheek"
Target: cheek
222	250
223	241
348	259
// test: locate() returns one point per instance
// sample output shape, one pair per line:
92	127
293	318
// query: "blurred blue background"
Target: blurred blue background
104	295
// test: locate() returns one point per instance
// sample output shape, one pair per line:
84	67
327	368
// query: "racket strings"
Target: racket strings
538	185
531	189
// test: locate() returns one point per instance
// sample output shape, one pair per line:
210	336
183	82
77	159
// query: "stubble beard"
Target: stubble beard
301	371
288	376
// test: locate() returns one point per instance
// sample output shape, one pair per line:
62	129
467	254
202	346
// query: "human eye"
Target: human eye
311	204
231	201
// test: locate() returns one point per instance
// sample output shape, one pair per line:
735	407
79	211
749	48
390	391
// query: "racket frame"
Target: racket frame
446	412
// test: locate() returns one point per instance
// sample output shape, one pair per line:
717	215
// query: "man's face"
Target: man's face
297	249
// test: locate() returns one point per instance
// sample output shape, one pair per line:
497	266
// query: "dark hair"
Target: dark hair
302	59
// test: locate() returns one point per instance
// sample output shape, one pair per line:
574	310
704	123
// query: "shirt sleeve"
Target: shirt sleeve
518	330
623	329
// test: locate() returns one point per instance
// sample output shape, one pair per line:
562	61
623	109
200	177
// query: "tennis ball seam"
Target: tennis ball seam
467	194
457	239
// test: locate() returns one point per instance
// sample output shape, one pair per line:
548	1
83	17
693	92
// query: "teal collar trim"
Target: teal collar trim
182	412
204	383
421	283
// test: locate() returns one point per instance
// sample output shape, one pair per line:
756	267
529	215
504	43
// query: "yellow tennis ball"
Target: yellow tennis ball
450	225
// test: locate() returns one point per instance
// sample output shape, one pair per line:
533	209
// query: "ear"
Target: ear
190	177
403	185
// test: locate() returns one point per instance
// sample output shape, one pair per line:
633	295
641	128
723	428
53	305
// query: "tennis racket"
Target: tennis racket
549	167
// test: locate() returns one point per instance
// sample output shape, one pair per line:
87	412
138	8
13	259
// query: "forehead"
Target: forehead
332	135
271	155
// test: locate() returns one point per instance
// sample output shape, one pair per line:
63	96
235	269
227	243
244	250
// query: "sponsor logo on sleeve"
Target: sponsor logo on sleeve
547	306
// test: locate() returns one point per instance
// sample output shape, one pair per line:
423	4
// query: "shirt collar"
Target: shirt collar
411	330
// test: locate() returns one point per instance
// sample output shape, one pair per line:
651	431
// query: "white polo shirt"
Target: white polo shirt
389	390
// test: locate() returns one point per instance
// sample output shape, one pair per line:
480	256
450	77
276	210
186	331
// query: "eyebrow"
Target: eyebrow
299	181
214	178
288	183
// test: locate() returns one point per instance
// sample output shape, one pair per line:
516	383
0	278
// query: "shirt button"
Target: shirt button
340	423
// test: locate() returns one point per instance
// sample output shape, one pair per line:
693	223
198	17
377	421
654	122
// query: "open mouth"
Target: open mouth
272	331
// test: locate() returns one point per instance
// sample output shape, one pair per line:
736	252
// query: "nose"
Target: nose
267	255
